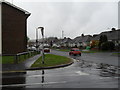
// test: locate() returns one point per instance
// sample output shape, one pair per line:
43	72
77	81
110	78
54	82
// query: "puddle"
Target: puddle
81	73
42	78
101	69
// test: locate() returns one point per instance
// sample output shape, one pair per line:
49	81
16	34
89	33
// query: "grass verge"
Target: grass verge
64	50
7	59
11	59
117	53
51	60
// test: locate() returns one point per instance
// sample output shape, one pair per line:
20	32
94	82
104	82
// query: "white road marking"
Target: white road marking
82	73
30	84
35	76
117	78
104	77
78	60
108	77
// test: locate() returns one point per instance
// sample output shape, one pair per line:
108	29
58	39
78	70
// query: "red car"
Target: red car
75	51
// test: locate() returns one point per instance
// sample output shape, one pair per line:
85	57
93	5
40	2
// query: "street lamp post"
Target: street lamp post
42	32
37	39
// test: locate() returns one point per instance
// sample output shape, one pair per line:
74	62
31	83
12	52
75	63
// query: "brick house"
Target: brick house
13	28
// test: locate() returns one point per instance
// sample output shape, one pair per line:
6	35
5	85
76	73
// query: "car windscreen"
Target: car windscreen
77	50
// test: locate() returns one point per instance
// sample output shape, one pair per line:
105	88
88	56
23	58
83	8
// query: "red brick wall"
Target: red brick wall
14	33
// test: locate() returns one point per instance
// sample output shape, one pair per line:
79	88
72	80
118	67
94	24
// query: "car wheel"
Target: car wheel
80	54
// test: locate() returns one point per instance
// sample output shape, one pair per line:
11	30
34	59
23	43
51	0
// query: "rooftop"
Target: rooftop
111	35
12	5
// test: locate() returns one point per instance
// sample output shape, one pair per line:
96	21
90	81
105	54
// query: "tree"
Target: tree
111	45
100	41
113	29
108	46
103	39
94	43
82	35
51	43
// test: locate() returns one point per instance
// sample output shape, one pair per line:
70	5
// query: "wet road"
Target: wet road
105	57
80	74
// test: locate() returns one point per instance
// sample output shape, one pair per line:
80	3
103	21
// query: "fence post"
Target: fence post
28	54
16	59
19	58
24	56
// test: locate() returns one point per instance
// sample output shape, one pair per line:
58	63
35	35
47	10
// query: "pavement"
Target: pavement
26	65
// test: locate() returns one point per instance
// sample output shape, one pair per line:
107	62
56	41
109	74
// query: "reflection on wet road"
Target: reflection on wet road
81	74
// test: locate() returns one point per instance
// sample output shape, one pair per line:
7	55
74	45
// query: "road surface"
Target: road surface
80	74
106	57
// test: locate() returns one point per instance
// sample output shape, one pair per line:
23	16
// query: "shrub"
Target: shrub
94	43
107	46
103	39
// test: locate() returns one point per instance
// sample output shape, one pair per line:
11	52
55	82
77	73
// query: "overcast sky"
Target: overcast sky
73	17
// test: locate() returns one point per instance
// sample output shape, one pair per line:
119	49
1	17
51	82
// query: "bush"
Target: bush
108	46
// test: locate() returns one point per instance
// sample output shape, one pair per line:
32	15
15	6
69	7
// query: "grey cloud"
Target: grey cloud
72	17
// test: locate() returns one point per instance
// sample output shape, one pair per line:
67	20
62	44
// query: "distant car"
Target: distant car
75	51
31	48
47	50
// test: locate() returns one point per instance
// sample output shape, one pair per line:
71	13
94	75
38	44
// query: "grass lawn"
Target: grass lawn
117	53
7	59
11	59
65	50
51	60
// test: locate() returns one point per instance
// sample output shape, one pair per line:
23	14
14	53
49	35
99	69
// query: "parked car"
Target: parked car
31	48
75	51
46	50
